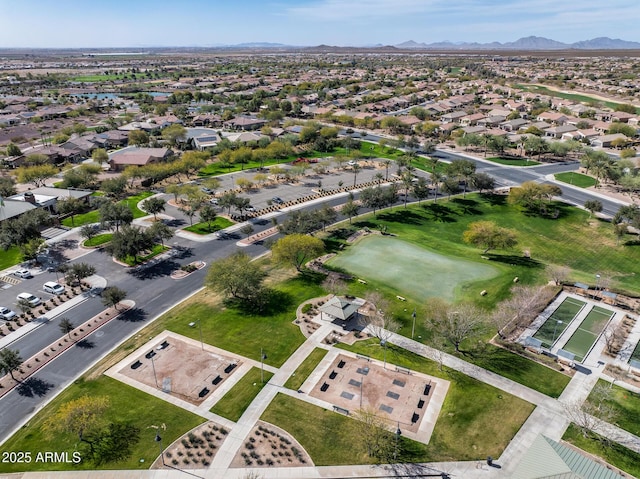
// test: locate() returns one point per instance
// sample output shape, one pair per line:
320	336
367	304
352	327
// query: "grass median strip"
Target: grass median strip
301	374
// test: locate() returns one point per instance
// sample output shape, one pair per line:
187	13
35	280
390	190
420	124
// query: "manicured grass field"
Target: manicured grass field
567	96
127	404
203	228
10	257
513	161
582	340
98	240
155	251
612	452
244	332
414	272
132	203
234	403
329	438
576	179
301	374
559	320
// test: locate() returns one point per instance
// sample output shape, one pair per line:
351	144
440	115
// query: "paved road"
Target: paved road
152	298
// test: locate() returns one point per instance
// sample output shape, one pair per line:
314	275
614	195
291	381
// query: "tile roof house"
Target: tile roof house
134	156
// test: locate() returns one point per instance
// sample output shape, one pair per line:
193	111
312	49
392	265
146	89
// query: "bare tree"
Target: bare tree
334	284
596	411
558	273
614	337
374	435
525	303
454	324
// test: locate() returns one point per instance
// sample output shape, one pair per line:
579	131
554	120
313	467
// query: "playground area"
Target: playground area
403	397
179	367
417	272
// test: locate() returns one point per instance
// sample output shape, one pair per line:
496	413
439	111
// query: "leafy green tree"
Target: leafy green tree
79	271
159	231
627	108
100	156
138	138
89	231
130	241
69	206
80	416
208	215
174	134
296	250
326	215
21	230
482	181
450	186
114	187
236	276
7	186
115	443
228	200
112	295
628	214
593	206
301	222
533	196
37	174
10	361
247	230
489	235
115	215
350	209
13	150
154	205
462	171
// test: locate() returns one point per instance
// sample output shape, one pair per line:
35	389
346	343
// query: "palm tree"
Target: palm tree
66	326
386	164
356	170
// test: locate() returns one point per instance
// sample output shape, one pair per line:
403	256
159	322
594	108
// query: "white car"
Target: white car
23	273
6	313
53	287
29	298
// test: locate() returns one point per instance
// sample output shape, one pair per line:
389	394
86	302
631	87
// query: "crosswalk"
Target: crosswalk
53	232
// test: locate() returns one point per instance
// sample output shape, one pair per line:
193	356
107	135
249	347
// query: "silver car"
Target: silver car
6	314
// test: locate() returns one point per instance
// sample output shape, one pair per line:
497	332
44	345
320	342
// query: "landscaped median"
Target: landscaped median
51	352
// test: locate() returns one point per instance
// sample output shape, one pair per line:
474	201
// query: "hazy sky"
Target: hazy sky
144	23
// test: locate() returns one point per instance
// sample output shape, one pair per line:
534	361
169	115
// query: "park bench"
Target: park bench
414	418
136	365
217	380
341	410
324	387
333	375
230	368
427	389
150	354
421	404
203	392
341	364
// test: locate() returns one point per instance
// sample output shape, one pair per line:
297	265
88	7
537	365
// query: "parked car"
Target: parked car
29	298
6	313
53	287
277	200
250	209
352	163
214	201
23	273
206	190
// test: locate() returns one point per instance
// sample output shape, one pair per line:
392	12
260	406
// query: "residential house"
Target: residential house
605	141
558	131
134	156
245	123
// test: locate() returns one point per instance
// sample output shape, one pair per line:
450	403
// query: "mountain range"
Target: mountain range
526	43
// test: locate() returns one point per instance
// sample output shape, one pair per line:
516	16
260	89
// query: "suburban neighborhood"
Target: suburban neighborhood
317	262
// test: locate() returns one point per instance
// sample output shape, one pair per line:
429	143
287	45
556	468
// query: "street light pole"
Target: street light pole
200	327
262	358
597	283
383	343
398	434
413	327
153	366
159	441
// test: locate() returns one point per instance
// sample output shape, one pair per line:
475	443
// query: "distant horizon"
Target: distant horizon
72	24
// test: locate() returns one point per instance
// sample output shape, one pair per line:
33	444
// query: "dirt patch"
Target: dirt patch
270	446
180	368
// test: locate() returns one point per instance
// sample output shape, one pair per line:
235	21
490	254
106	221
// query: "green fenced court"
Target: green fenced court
415	272
559	320
587	334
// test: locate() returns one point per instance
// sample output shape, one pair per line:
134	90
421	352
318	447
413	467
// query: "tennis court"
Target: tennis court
586	335
559	320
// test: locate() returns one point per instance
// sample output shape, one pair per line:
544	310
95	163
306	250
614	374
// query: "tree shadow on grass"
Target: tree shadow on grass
494	200
33	387
268	303
440	213
134	315
407	217
514	260
467	206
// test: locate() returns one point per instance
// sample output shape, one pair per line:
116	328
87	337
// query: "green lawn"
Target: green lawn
203	228
127	404
329	438
10	257
244	332
513	161
233	404
427	164
521	370
612	452
106	78
626	405
301	374
576	179
567	96
93	216
468	402
98	240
